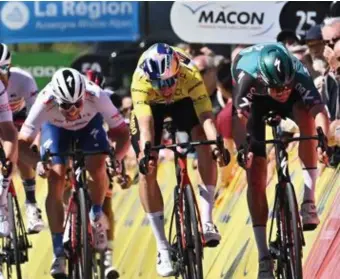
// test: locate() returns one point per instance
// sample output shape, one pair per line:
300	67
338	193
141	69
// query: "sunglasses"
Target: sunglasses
68	106
4	69
162	84
331	43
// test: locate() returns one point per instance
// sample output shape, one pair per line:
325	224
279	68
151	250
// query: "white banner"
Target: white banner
226	22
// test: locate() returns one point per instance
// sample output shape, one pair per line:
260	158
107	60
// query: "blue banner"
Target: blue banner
68	21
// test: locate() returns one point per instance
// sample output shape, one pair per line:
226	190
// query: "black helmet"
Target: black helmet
276	66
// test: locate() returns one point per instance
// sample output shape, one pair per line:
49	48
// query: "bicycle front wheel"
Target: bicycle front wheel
193	236
292	235
14	234
85	262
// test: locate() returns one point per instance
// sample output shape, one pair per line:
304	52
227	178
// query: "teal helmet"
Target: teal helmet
276	66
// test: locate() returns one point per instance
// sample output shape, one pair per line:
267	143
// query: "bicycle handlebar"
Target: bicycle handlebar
143	164
320	137
78	153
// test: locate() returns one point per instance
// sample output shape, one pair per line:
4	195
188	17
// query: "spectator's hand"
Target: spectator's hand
207	51
331	58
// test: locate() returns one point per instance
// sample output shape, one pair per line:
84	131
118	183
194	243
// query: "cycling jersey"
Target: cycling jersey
5	110
22	90
189	84
249	89
45	109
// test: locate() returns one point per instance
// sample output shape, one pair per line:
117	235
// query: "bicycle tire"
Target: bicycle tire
86	251
73	270
181	254
193	237
14	234
291	216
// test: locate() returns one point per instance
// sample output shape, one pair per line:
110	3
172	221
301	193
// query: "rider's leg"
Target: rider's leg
33	213
207	167
308	156
94	138
110	270
150	193
56	139
208	172
256	192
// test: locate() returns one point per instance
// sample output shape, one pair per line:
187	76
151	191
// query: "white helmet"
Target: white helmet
5	55
68	85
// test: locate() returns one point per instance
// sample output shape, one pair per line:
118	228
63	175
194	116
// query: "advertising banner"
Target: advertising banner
42	65
243	22
68	21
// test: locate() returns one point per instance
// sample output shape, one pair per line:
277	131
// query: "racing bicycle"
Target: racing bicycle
286	248
78	234
14	248
185	233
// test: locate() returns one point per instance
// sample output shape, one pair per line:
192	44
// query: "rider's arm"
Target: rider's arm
8	131
31	93
202	104
311	98
118	130
29	130
140	91
242	100
320	115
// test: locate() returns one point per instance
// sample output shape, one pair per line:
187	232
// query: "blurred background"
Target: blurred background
110	36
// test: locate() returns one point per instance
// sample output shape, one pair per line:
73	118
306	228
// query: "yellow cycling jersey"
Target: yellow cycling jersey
189	84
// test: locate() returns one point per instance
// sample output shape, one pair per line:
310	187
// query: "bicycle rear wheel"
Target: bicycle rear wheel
85	253
294	232
192	236
290	262
14	235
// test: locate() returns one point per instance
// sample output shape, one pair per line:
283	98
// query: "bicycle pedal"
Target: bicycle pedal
60	276
212	243
309	227
113	274
274	250
32	232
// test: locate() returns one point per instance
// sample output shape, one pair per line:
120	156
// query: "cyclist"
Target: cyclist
267	77
22	91
71	107
9	141
165	84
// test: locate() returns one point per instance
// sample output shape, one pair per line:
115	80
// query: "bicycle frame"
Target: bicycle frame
184	181
78	180
281	157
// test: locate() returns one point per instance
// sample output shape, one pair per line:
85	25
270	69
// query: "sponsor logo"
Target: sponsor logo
15	15
245	103
305	94
209	20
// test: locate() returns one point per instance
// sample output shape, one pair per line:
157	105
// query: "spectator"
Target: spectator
288	38
315	46
207	65
331	92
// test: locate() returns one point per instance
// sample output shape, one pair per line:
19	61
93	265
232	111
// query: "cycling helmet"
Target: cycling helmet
161	65
5	55
68	85
96	77
276	66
